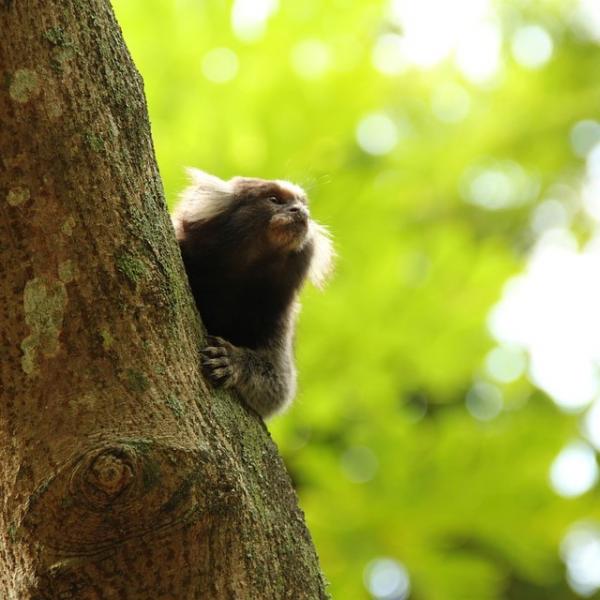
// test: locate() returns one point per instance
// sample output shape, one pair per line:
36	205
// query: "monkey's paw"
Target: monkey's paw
221	362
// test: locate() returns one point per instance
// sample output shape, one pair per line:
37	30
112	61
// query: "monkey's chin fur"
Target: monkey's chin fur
287	232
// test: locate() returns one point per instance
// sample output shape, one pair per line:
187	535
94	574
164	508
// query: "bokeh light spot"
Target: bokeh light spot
505	363
584	136
575	470
433	29
484	401
591	425
359	464
586	17
499	186
590	196
249	18
549	214
387	579
590	192
580	551
552	311
377	134
450	103
532	46
592	166
388	54
479	54
220	65
311	59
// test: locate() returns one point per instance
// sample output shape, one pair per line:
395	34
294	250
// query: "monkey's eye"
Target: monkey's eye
276	199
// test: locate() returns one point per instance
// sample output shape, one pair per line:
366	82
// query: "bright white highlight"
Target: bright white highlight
580	550
311	59
591	198
593	162
434	28
220	65
532	46
377	134
387	579
574	471
552	312
591	425
437	30
587	16
249	18
591	186
479	54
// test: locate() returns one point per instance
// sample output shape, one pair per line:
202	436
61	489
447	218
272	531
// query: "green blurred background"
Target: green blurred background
444	439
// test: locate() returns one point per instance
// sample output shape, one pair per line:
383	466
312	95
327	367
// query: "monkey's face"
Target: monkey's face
288	226
279	209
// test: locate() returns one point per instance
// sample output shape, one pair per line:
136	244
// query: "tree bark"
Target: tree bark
122	475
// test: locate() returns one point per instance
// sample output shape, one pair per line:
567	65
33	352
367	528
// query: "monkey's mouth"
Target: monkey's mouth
288	229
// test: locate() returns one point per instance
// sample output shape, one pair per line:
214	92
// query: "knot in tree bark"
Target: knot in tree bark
110	473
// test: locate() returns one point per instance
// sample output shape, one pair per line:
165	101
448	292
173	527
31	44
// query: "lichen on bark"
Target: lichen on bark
44	303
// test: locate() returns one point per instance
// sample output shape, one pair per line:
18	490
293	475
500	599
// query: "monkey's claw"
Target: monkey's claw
218	362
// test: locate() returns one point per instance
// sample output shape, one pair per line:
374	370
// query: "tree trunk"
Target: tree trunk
122	475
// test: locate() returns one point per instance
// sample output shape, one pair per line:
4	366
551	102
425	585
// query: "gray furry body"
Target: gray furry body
248	245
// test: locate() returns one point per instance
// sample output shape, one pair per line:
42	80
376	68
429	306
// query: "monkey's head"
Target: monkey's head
278	209
256	218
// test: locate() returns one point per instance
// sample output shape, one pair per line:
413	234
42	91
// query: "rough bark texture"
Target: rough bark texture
122	475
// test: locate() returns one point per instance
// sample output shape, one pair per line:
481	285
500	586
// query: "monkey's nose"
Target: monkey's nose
298	210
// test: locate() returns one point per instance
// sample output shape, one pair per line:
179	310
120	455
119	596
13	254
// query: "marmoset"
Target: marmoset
248	246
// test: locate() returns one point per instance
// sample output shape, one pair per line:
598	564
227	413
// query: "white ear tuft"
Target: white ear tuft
207	197
321	265
206	181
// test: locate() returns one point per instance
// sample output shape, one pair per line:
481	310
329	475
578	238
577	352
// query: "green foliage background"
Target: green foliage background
387	354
